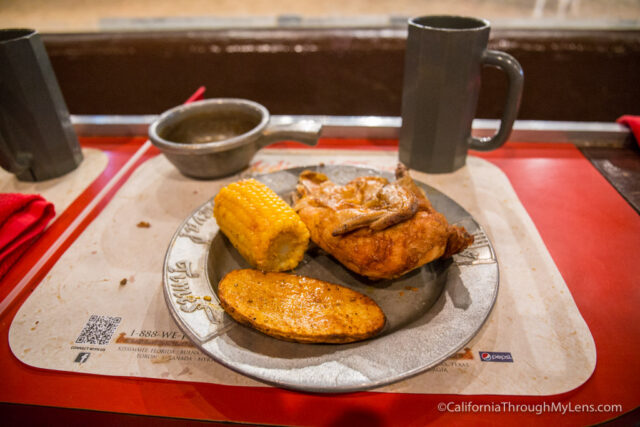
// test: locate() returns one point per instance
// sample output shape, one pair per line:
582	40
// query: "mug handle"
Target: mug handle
304	131
511	66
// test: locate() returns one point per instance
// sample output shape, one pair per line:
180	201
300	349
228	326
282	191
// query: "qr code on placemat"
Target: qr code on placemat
98	330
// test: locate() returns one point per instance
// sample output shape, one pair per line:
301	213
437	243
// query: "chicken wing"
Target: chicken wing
374	227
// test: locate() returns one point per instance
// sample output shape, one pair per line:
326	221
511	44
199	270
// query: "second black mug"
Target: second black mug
443	64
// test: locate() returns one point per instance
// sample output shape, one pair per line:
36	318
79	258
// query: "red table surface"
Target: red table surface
591	232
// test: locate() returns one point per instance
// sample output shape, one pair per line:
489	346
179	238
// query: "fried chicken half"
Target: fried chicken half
374	227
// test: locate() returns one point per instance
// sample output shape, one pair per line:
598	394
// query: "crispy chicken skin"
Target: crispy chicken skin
375	228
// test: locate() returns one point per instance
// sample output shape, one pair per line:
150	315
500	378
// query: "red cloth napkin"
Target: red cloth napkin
634	123
22	218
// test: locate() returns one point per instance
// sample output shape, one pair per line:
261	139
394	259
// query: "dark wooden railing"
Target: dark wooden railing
569	75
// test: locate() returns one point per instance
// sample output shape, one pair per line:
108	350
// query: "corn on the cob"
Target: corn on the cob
261	226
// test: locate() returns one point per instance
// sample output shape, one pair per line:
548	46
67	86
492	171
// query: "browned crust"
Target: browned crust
388	253
459	239
385	253
299	309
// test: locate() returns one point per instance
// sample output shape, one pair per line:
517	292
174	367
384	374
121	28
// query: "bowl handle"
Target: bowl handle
304	131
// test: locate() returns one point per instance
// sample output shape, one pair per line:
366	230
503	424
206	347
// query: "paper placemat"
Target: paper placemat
101	309
65	189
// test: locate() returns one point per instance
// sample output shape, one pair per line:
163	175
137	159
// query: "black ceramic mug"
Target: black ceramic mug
443	64
37	141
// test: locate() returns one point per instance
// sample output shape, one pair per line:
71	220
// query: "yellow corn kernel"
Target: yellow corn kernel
261	226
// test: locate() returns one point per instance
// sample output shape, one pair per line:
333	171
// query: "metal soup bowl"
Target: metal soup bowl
218	137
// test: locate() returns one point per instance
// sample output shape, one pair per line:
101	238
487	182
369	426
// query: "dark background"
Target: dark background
574	75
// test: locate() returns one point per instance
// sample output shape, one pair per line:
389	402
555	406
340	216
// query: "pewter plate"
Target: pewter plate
431	312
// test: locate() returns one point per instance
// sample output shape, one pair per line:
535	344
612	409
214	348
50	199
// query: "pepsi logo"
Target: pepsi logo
495	356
